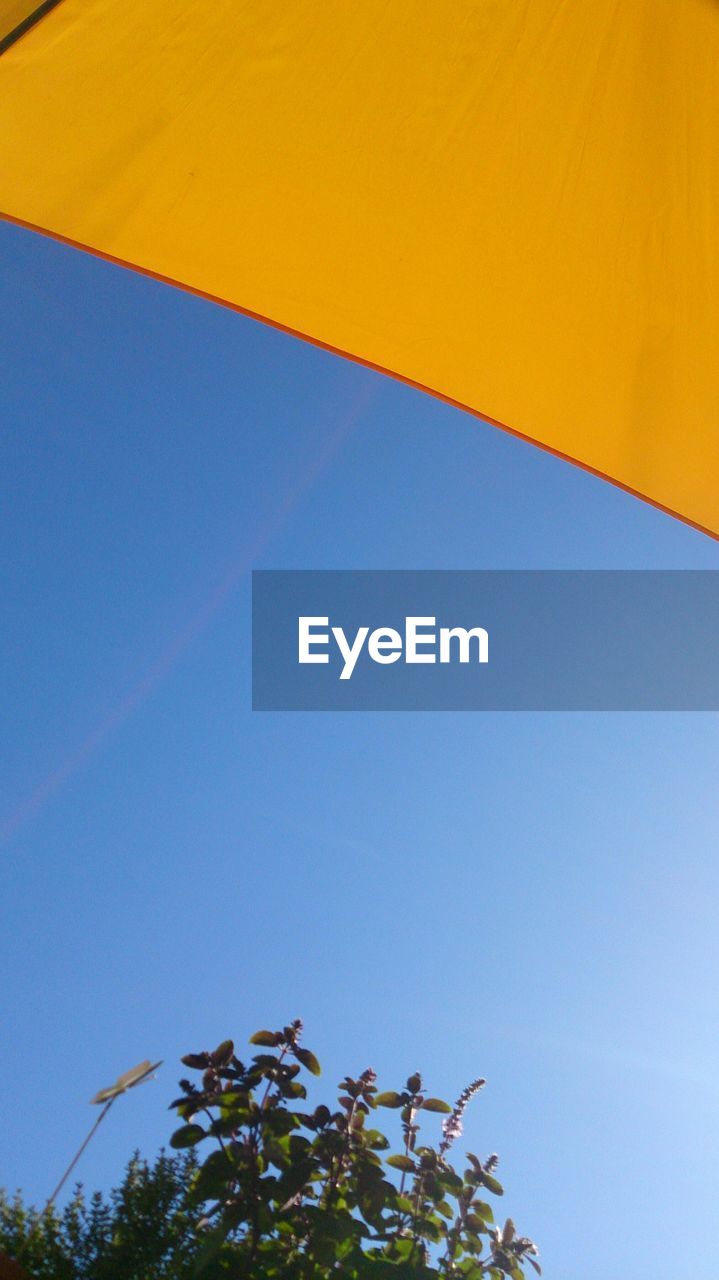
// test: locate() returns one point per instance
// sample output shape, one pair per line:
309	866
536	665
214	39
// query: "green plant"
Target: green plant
308	1194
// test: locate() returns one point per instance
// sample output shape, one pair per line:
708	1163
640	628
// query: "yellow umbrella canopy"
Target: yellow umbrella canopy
512	205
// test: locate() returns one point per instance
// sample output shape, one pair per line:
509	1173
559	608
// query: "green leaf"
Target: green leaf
269	1038
212	1179
492	1185
376	1140
448	1179
436	1104
187	1136
293	1090
231	1100
390	1099
402	1162
433	1228
404	1247
223	1053
265	1061
198	1061
308	1060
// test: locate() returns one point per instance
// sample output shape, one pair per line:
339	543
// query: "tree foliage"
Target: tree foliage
287	1192
146	1229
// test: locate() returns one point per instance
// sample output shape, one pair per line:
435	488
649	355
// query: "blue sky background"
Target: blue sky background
529	897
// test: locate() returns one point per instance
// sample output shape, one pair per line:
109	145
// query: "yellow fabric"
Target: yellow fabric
510	202
13	12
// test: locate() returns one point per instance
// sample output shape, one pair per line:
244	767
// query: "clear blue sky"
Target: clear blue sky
529	897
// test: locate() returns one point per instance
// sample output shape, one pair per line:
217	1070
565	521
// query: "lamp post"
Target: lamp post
10	1269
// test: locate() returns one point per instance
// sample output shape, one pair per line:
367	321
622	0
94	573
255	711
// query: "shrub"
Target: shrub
308	1194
